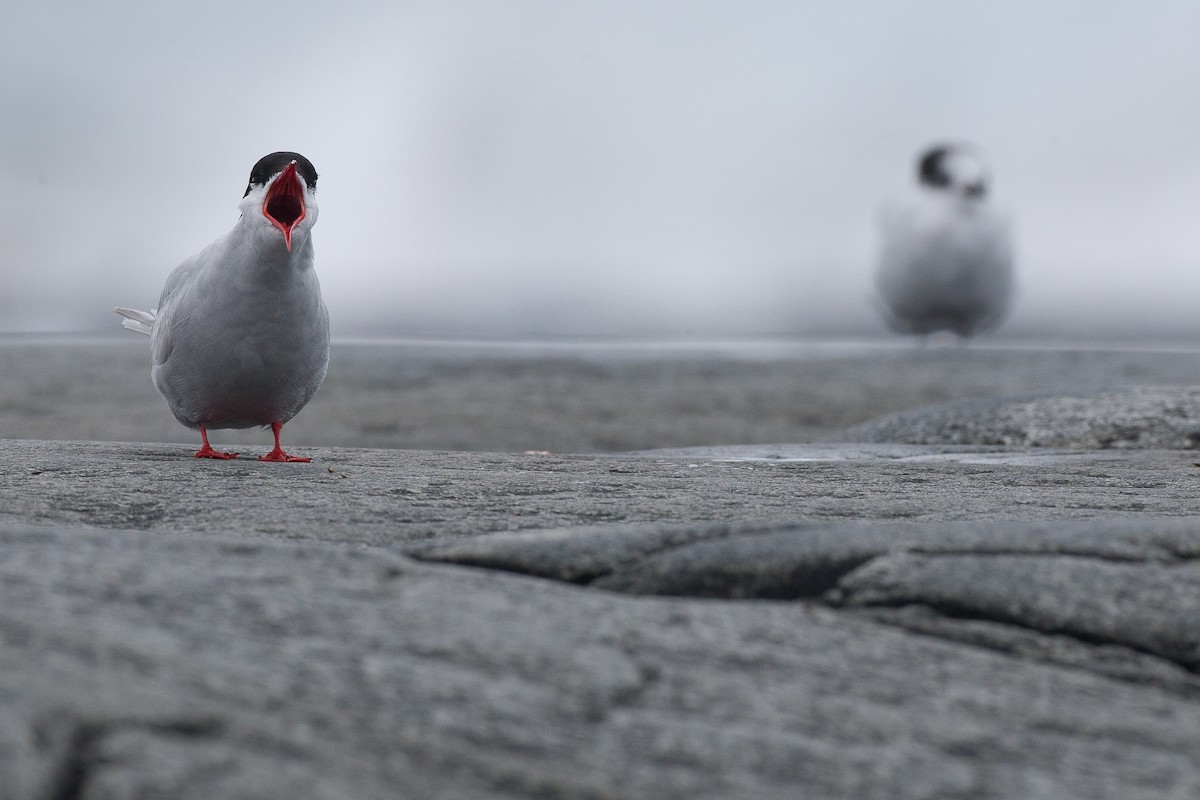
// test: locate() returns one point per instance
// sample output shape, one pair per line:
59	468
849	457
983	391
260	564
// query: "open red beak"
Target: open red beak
284	204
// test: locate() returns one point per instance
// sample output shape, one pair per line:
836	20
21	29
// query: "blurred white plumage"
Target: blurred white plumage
946	252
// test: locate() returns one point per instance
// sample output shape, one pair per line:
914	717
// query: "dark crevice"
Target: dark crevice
76	763
720	533
1122	663
518	563
1178	552
588	580
80	756
1114	558
805	580
515	567
953	611
816	581
186	728
814	578
956	611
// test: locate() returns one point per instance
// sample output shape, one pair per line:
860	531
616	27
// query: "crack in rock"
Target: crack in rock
1116	597
1148	608
1111	660
769	567
80	755
575	555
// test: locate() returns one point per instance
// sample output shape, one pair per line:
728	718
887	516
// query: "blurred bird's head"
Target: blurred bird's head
956	168
280	199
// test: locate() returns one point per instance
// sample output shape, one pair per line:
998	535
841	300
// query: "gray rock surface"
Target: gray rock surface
281	630
565	398
138	664
1116	590
750	620
381	497
1161	417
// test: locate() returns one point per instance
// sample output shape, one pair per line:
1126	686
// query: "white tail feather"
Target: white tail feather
137	321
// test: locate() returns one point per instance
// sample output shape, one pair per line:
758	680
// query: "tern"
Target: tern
240	337
946	258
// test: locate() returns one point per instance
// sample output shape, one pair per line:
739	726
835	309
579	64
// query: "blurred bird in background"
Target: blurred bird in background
946	259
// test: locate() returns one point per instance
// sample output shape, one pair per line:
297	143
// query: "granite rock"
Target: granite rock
1138	417
160	664
746	622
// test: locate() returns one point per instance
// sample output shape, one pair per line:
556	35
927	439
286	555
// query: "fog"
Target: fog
601	169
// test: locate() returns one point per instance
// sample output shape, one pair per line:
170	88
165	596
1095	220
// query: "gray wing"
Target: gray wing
173	296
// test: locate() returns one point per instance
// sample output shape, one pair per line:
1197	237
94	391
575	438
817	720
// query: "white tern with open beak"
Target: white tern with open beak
241	336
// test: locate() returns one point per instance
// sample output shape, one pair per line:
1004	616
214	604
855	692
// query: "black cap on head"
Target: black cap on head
944	166
931	169
275	163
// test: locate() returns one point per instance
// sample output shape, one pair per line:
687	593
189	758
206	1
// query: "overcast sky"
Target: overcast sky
679	168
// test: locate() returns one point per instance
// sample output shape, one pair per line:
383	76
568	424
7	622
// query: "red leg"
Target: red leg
207	452
277	454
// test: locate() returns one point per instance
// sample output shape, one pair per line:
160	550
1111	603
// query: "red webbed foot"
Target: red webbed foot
207	451
278	454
